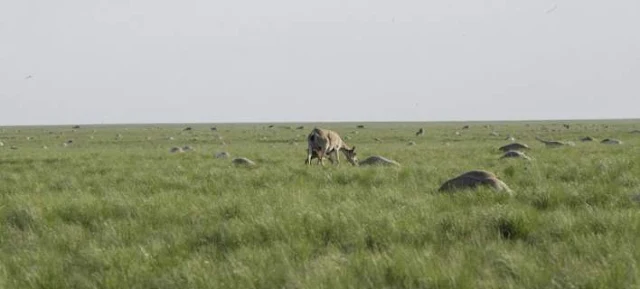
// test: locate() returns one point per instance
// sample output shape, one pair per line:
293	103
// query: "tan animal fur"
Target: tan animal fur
327	142
314	155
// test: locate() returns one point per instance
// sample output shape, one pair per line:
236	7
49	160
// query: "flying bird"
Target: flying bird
28	77
553	8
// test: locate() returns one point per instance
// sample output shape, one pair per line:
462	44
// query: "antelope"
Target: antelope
172	150
378	161
327	142
515	154
243	162
611	141
514	147
222	155
314	155
554	143
474	179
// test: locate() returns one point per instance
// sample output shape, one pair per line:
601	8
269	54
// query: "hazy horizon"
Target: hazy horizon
124	62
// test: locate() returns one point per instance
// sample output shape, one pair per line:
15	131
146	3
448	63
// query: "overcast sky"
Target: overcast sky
151	61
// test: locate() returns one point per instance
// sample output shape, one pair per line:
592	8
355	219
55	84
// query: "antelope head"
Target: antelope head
351	155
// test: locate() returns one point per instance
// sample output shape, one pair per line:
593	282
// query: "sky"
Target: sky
166	61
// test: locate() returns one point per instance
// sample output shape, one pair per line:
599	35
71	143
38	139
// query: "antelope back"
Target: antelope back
335	141
324	139
317	139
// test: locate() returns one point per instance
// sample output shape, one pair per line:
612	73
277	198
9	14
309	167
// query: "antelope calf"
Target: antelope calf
327	142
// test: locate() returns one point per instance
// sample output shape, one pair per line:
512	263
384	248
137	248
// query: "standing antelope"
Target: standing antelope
327	142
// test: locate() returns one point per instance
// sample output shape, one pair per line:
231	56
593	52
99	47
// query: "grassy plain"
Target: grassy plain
108	212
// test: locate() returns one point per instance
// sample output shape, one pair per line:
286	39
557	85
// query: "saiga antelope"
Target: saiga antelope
327	142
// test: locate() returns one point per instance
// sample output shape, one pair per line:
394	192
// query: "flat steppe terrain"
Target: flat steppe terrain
115	209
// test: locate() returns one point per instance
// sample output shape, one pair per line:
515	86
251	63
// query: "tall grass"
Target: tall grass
125	213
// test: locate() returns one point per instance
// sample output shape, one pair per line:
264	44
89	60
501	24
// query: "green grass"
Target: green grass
125	213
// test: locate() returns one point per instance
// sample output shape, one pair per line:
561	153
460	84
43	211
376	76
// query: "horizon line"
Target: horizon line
324	121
